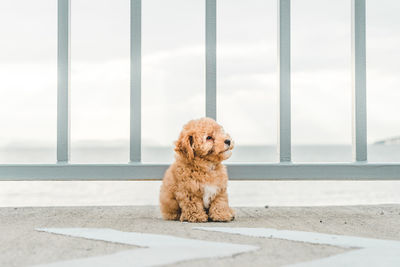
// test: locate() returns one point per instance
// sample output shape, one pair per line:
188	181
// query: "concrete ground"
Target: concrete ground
22	245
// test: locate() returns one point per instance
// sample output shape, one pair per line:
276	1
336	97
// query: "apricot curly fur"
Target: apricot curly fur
185	192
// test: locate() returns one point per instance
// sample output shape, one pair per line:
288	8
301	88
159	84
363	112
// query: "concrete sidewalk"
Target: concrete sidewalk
22	245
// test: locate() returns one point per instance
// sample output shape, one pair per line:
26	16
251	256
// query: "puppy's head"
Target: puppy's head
204	139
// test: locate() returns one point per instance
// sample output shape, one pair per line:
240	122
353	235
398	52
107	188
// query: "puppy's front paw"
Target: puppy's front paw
233	213
194	218
224	215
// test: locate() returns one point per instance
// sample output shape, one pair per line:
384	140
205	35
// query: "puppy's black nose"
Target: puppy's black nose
228	142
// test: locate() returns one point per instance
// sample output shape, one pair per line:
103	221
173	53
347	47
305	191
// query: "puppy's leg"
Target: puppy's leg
219	209
192	208
169	206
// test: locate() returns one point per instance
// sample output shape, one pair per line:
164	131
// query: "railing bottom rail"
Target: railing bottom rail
237	171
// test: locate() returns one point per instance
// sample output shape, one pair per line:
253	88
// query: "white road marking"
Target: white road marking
158	249
371	252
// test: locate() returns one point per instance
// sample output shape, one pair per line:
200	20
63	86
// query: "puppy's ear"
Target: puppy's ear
185	146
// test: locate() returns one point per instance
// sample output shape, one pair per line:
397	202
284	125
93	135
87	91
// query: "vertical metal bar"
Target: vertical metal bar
63	81
135	85
284	135
211	59
359	80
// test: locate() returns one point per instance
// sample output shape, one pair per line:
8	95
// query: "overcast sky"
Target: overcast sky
174	70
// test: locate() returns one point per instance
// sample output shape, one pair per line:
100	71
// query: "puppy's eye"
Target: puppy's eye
209	137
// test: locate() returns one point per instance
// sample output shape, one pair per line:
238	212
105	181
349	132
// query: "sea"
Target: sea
118	152
241	193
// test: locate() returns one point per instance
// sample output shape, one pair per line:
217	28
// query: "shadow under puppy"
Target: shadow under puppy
194	186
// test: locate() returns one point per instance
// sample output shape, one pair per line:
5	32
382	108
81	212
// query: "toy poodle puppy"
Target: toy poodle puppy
194	186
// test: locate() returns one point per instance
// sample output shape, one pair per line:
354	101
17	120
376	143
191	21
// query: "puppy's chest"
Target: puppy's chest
209	193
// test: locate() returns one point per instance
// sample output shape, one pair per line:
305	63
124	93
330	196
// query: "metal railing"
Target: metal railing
285	169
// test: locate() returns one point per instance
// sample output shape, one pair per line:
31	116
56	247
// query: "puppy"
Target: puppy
194	186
